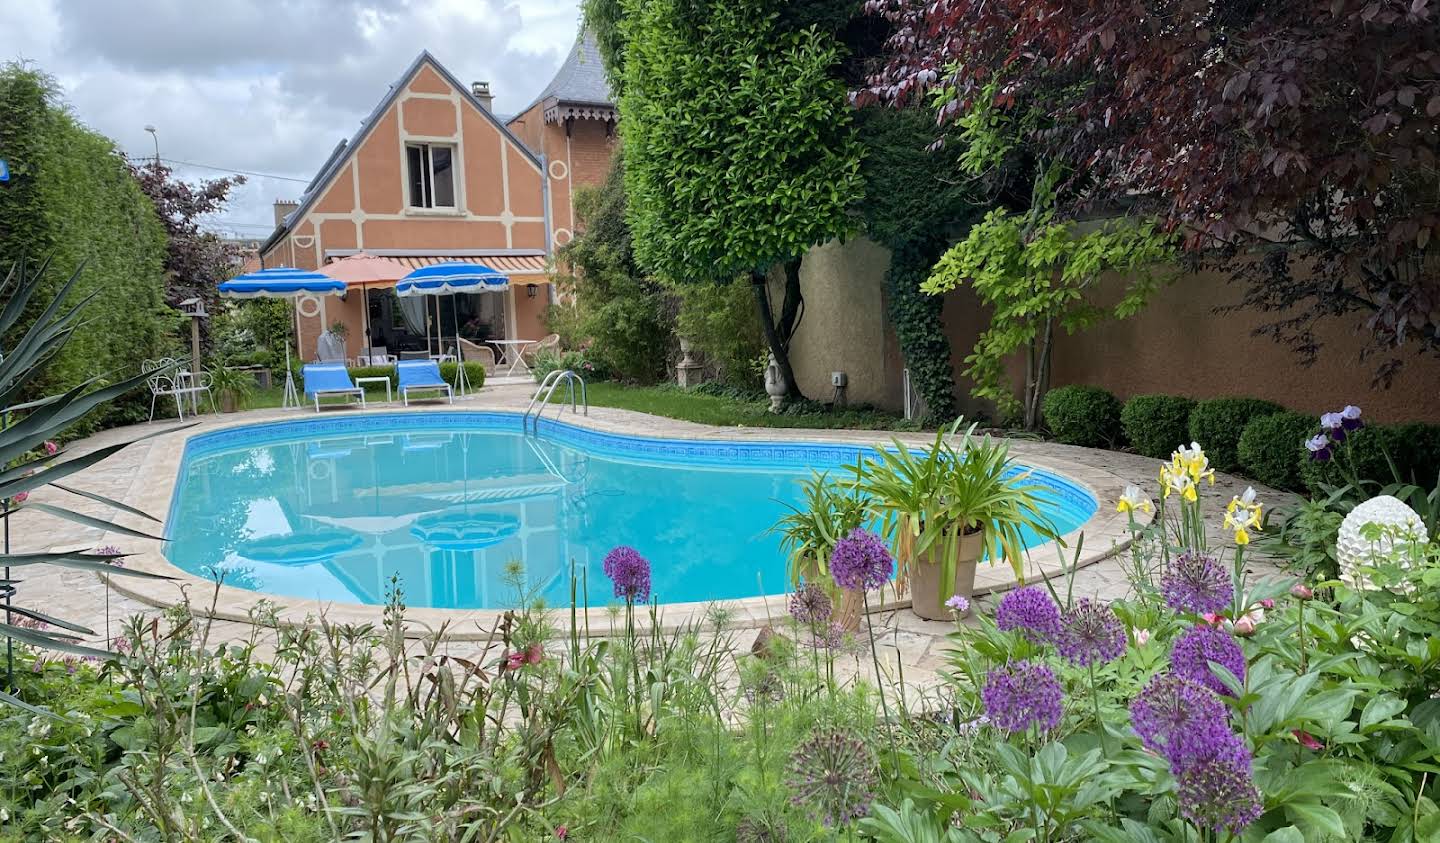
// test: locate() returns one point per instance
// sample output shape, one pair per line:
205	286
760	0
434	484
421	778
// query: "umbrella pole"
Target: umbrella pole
427	331
460	383
291	399
365	319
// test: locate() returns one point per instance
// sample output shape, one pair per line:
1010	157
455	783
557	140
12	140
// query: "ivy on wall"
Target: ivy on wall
914	206
72	199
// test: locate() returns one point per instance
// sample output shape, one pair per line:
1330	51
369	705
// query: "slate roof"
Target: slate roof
579	88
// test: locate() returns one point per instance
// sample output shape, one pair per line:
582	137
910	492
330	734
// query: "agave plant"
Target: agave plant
25	464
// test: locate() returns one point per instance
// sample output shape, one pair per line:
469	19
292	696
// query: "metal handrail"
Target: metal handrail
548	387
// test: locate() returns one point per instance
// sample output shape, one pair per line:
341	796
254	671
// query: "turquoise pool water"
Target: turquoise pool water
333	508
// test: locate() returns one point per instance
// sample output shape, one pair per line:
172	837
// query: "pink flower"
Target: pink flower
1268	603
1302	591
20	497
1307	740
535	653
1245	627
51	449
1142	637
561	832
514	661
1212	618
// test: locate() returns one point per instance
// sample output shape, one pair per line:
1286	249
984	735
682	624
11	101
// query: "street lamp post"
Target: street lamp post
155	137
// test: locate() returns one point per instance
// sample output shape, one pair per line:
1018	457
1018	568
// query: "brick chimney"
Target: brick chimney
282	208
481	90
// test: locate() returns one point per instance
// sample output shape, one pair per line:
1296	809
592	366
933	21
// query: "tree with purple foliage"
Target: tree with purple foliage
1296	143
196	260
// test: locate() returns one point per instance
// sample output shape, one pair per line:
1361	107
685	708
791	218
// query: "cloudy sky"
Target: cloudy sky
270	87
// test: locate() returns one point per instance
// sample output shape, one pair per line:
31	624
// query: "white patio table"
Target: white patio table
514	352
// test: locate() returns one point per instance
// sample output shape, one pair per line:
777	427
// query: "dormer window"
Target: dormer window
430	173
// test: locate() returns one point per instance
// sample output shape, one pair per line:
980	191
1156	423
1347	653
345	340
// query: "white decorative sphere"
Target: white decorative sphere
1354	551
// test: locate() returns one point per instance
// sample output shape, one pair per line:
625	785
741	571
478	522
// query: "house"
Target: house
572	125
434	175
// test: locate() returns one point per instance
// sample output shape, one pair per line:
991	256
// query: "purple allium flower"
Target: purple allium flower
1031	611
1197	647
1319	447
1022	693
121	645
833	775
629	572
1180	719
958	604
114	556
810	606
861	561
1219	793
1090	634
1196	583
1350	418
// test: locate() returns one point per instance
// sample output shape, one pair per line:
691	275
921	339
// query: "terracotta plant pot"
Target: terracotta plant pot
926	598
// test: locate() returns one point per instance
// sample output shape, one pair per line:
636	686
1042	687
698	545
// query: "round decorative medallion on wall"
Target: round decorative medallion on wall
563	236
558	170
309	305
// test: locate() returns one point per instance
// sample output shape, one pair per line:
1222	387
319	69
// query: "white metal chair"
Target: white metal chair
379	355
169	379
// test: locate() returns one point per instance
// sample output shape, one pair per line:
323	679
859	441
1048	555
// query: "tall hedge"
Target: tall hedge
71	199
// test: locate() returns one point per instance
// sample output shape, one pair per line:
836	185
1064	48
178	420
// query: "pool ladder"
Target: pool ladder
547	389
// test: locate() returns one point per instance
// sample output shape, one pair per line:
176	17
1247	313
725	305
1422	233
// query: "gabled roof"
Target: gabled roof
579	88
343	150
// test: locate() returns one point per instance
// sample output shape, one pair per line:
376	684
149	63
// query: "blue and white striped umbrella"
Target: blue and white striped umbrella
452	277
281	282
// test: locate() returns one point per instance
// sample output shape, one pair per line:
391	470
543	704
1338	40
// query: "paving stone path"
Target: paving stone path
908	644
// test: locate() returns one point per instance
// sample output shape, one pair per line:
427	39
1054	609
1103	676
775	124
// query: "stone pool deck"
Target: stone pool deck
142	475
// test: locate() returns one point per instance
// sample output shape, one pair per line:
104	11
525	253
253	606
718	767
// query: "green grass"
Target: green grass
675	403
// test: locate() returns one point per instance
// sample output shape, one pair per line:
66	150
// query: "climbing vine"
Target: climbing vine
913	205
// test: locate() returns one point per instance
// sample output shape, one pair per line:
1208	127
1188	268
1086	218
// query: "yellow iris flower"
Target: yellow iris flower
1242	515
1133	500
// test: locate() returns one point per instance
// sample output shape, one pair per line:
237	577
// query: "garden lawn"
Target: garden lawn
688	405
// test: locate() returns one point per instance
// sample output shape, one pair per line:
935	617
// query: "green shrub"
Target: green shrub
1217	424
1083	415
1414	449
1272	448
1157	424
474	373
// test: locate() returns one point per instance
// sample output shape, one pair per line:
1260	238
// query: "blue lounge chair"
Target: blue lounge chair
421	376
327	380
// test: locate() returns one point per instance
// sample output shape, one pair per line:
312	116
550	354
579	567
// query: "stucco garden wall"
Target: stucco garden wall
845	327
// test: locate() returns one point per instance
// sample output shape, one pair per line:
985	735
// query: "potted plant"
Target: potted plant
808	533
232	386
946	509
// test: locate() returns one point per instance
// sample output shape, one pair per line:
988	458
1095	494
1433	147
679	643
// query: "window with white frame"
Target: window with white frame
430	175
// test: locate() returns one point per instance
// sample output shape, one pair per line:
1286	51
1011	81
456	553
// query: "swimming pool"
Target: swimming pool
335	508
